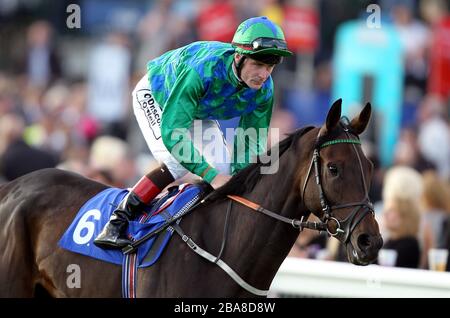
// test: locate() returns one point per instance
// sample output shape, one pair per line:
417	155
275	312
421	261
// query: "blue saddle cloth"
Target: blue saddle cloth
95	213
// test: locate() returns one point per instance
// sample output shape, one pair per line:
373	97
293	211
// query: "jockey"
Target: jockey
186	90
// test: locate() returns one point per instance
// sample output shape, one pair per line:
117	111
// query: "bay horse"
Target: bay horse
322	171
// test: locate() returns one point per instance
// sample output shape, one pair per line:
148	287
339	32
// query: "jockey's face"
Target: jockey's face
254	73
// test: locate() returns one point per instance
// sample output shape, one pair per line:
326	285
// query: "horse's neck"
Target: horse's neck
271	239
276	191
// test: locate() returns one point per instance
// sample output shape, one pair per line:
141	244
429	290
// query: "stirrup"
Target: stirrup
105	244
111	237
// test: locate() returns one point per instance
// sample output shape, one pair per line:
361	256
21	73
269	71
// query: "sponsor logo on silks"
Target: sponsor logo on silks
151	110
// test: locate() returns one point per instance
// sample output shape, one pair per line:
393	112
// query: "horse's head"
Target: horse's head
335	186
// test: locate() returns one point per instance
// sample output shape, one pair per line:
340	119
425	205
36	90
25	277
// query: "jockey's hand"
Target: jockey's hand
220	180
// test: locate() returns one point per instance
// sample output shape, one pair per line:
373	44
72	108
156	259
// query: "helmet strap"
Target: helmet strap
238	67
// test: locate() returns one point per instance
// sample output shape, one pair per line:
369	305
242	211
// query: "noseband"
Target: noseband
344	228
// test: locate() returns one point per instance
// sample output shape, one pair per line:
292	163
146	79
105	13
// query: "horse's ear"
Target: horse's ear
334	115
359	123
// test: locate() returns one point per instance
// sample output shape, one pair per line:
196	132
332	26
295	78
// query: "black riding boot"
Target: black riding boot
113	234
145	190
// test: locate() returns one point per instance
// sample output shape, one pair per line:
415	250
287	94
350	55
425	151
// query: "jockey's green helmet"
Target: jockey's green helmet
258	37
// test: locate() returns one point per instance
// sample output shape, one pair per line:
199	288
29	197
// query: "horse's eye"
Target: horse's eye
333	169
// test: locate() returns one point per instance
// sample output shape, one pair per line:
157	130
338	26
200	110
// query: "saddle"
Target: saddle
150	232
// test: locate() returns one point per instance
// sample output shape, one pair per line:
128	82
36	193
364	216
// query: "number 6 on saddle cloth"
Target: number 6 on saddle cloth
95	213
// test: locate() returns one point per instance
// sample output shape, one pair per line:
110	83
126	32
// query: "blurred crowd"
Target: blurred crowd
65	99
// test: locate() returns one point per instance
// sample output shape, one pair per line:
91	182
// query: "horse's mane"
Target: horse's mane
247	178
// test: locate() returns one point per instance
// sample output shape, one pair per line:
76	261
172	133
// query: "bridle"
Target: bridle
344	228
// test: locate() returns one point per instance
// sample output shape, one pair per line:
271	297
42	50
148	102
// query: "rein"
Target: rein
298	224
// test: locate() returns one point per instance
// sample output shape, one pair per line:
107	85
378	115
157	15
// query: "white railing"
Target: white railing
314	278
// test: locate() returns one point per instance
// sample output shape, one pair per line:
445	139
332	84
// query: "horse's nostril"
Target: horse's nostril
364	242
